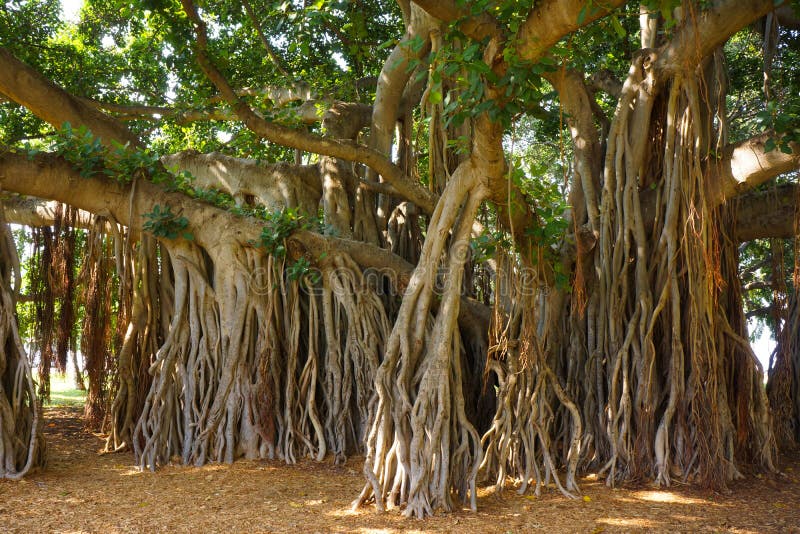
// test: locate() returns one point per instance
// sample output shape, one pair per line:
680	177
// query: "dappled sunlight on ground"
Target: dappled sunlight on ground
345	512
82	491
628	523
668	497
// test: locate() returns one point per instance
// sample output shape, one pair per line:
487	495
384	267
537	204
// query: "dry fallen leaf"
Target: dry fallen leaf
106	495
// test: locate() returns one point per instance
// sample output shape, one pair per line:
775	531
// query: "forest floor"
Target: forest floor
82	491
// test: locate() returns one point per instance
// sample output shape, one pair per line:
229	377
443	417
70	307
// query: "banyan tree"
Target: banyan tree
467	240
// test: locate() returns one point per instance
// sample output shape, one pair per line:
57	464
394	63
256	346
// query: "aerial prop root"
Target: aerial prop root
527	391
22	445
421	446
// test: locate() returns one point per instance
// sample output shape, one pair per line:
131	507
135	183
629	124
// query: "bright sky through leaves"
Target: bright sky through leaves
70	9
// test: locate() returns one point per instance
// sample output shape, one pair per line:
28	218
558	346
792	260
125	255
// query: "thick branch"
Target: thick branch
576	102
49	102
275	185
765	214
477	27
745	166
553	19
545	25
48	176
35	212
394	77
700	35
342	149
604	80
514	212
787	17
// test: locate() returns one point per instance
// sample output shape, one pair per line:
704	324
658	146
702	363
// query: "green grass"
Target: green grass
63	392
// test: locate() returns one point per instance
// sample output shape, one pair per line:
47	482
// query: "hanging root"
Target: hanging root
186	370
21	442
356	327
144	281
96	334
659	347
421	445
519	442
247	351
783	387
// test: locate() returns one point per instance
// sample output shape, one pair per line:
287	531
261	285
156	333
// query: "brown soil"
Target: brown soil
81	491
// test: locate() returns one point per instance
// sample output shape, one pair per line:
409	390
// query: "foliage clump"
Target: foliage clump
161	222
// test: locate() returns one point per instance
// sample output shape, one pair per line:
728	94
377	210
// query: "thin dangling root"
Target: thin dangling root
527	389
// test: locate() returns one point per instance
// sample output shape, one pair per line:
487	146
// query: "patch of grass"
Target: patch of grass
63	391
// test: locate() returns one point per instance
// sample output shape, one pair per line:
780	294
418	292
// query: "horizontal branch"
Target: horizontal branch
787	17
48	176
127	112
757	285
760	312
274	185
742	167
745	165
699	35
288	137
308	112
35	212
51	103
764	214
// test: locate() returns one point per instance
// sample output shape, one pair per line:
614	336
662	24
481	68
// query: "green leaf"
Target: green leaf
617	26
582	14
387	44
